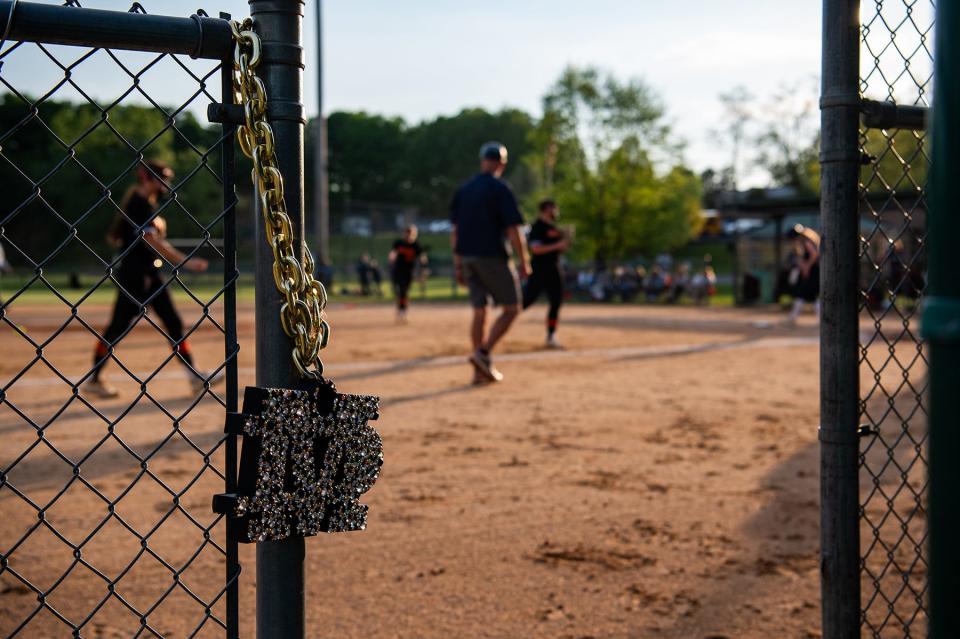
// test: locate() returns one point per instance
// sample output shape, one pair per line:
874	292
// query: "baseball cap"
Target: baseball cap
493	151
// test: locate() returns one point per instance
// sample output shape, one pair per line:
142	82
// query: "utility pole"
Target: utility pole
321	184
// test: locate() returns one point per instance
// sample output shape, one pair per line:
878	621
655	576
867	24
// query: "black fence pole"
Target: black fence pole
941	328
839	334
231	344
280	572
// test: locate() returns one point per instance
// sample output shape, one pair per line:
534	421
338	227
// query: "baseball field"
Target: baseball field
656	478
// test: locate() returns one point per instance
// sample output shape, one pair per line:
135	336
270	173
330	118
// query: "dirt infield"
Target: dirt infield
656	479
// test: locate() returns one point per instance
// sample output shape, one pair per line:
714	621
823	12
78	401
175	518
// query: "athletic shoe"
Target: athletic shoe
484	366
553	342
401	317
196	383
100	389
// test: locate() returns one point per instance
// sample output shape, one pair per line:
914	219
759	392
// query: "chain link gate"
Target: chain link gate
897	69
878	70
107	527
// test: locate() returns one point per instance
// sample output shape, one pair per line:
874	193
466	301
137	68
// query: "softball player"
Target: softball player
140	235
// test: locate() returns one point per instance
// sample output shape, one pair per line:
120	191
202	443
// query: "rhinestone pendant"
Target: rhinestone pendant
308	455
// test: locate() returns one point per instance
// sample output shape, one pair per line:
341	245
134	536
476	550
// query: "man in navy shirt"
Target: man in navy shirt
484	215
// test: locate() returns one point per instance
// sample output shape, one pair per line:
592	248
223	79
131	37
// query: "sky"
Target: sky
424	58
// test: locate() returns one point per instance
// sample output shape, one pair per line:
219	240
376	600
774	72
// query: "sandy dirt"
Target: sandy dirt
658	478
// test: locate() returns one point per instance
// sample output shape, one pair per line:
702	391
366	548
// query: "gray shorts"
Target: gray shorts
491	277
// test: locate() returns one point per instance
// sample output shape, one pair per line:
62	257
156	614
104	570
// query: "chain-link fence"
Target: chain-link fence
118	325
896	68
877	78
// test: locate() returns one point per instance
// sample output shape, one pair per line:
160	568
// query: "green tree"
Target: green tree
789	140
605	153
366	156
901	164
69	165
443	154
736	120
374	158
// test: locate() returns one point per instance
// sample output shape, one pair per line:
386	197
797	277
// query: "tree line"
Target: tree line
601	147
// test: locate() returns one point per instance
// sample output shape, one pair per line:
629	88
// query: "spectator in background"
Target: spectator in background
624	284
657	283
424	272
703	284
600	285
363	273
641	274
376	278
680	283
905	276
806	243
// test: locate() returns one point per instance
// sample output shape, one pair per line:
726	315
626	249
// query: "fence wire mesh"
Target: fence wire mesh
896	66
107	527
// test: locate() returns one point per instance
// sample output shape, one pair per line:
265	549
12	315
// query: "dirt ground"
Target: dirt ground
658	478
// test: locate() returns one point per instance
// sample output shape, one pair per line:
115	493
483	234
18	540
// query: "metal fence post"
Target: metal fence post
941	327
839	354
231	343
280	572
321	187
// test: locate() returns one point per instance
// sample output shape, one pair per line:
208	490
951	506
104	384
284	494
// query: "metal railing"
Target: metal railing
107	526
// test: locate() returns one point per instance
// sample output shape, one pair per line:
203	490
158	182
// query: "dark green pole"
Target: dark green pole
941	328
839	328
280	573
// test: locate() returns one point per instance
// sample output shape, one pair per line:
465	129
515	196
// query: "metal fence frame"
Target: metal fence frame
887	450
198	36
941	327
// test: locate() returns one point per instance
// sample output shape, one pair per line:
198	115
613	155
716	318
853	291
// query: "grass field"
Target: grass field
345	250
206	287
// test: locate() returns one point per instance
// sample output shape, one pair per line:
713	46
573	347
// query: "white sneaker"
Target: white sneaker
553	342
99	389
484	367
197	383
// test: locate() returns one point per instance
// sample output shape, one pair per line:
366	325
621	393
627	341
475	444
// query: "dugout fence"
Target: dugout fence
877	84
107	527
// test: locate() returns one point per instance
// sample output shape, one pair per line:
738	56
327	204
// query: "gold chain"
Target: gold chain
301	314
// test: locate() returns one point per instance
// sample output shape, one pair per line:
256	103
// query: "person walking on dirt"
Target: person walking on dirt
404	257
484	214
140	235
547	243
806	276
